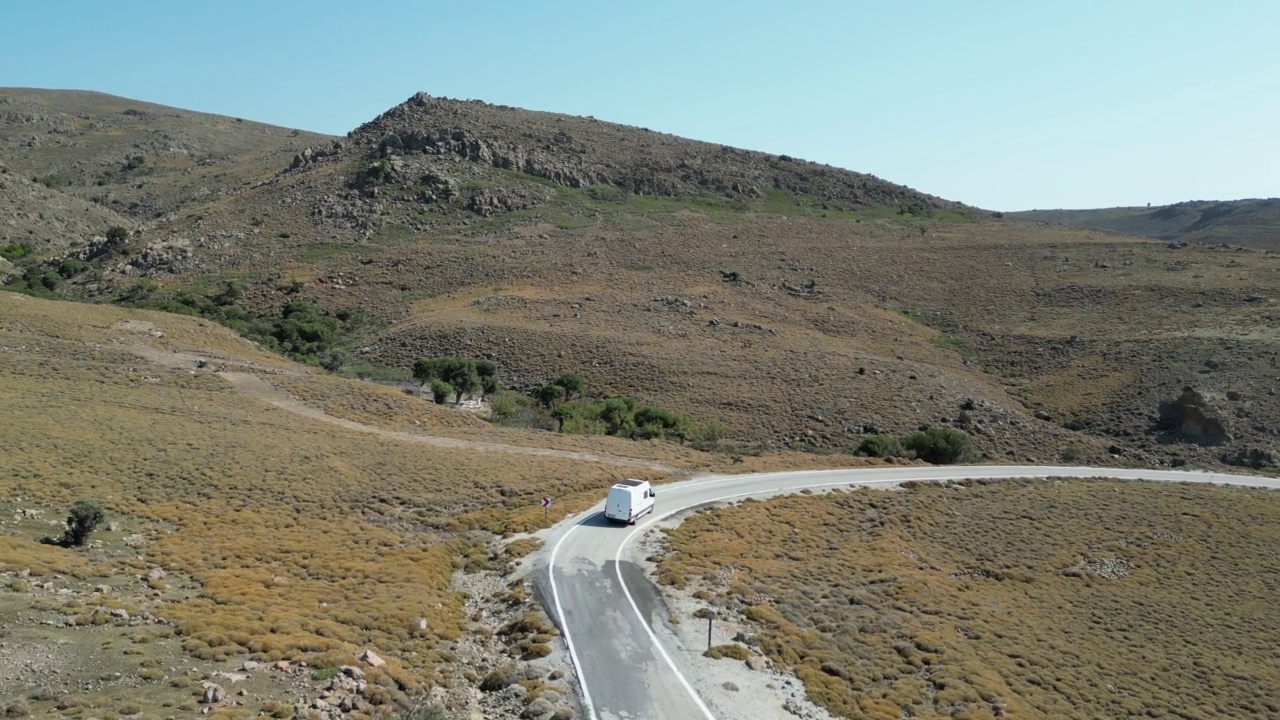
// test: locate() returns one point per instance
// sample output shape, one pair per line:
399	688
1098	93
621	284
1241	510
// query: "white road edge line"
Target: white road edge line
1042	472
617	567
564	627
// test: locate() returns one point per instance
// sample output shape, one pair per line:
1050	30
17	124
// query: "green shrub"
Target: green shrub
303	329
117	235
565	412
608	193
70	267
882	446
24	287
572	383
231	292
49	279
15	251
550	394
940	446
653	422
84	518
618	415
441	390
709	432
506	404
915	209
377	173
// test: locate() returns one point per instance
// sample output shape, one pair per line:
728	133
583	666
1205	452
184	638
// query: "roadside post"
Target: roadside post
711	615
546	503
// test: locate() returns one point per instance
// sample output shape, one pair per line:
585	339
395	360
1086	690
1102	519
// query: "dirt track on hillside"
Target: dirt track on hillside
253	385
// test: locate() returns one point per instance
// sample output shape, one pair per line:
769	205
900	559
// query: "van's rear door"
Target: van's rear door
618	505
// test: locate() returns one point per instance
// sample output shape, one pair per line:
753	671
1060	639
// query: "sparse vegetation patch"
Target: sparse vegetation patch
1035	599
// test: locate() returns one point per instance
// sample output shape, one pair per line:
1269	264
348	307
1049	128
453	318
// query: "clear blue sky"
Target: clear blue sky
1005	105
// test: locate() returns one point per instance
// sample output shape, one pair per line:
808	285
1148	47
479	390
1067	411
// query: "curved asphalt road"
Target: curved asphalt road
605	606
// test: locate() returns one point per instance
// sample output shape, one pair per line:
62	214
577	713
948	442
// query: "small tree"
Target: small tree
460	373
549	395
488	372
424	371
486	368
572	383
117	235
564	412
84	518
464	380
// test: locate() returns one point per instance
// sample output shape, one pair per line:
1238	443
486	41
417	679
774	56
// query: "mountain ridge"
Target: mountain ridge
585	152
1249	222
799	305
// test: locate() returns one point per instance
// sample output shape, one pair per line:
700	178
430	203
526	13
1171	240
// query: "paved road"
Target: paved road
627	667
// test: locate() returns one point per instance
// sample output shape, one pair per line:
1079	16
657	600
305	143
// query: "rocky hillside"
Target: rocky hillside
138	159
803	306
1249	223
39	221
587	153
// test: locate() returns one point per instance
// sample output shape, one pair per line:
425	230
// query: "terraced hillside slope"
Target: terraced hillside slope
800	305
1250	223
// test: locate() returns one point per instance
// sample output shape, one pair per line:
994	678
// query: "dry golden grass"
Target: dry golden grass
303	540
17	554
375	404
982	599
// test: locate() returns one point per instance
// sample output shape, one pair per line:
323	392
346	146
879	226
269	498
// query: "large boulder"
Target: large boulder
1198	417
213	694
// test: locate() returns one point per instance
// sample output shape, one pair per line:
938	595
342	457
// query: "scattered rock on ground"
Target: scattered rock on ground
371	658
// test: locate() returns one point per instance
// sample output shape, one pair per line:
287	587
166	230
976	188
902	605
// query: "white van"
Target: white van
628	500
